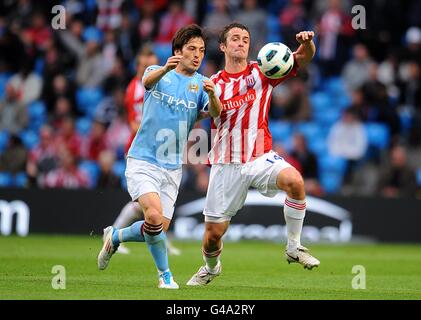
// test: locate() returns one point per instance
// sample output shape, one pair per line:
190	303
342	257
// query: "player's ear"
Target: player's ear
222	47
177	52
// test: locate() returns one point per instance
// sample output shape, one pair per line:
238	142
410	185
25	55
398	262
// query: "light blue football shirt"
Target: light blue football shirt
170	109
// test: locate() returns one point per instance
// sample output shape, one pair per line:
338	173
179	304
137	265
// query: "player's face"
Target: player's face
193	53
237	44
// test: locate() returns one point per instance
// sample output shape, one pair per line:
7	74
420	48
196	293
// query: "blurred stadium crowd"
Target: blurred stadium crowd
351	122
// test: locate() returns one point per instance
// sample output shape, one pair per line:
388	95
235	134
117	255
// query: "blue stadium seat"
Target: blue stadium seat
162	51
419	177
4	139
329	163
39	66
335	86
83	126
119	168
331	182
274	29
37	111
4	78
328	117
318	145
378	135
29	138
20	180
91	169
320	101
280	130
87	99
310	130
6	179
331	172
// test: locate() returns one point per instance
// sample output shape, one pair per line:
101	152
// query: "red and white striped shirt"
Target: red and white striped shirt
134	104
241	134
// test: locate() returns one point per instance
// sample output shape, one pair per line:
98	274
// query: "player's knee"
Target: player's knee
153	216
294	184
213	236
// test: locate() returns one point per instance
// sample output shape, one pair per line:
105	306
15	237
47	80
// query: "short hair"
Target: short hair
224	32
145	51
185	34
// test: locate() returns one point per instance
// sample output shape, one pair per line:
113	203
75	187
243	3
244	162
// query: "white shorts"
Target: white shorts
144	177
229	185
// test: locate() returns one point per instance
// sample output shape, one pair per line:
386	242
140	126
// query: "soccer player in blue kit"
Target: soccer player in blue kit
176	97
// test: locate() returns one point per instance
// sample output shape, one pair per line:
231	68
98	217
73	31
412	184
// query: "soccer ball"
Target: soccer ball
275	60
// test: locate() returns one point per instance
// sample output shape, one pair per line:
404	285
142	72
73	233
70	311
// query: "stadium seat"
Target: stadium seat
331	172
310	130
335	86
119	168
87	99
39	66
83	126
328	117
6	179
331	182
419	177
378	135
329	163
318	145
4	78
274	29
29	138
91	169
162	51
280	130
20	180
4	139
320	101
37	110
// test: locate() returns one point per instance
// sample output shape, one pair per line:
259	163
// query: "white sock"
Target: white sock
212	259
294	212
129	214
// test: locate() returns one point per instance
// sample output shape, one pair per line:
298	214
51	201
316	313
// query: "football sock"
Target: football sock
130	213
294	212
157	244
134	233
212	258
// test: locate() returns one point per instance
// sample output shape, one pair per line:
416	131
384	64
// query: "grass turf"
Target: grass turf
251	270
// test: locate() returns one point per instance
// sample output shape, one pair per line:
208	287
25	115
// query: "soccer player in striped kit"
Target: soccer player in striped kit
241	154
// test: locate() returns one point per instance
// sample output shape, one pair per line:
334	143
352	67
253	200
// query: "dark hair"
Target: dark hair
185	34
223	34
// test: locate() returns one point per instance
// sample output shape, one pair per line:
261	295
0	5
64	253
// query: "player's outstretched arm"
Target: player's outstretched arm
215	106
154	76
307	49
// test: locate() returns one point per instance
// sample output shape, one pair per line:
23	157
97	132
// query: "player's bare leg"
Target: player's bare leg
211	249
292	183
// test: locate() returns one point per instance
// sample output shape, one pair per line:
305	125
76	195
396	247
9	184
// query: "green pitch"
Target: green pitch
251	270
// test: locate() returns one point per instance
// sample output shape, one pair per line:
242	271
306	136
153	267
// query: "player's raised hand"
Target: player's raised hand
172	62
208	87
304	36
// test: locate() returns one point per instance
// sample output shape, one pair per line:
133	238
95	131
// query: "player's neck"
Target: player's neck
235	65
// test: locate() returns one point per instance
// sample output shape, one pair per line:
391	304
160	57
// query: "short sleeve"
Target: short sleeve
147	71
